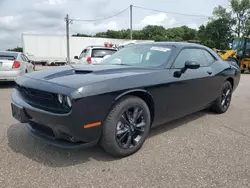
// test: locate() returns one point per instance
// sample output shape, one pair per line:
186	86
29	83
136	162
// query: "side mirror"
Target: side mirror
188	65
76	57
192	65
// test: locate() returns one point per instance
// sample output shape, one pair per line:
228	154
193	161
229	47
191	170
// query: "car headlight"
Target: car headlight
68	102
60	98
64	100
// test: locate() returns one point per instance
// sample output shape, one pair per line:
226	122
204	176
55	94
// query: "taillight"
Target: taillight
16	65
89	60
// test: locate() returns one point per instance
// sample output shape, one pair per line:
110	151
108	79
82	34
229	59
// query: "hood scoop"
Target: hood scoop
59	74
66	73
82	71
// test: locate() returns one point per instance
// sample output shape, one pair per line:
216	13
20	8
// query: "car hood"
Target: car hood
81	75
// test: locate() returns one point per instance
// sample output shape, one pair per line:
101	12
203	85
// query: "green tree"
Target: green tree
154	32
238	16
81	35
216	34
182	33
241	9
17	49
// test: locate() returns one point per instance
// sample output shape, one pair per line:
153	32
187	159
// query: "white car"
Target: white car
14	64
94	54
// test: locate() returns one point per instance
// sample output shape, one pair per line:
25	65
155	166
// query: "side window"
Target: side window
23	58
83	54
87	53
190	55
27	59
209	57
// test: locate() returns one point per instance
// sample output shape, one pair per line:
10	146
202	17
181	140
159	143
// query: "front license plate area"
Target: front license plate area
18	113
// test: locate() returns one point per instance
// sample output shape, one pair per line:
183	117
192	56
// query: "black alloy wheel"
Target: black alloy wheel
222	103
226	97
126	127
130	127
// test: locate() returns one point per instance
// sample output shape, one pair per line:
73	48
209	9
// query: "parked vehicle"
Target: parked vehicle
14	64
239	52
94	54
115	103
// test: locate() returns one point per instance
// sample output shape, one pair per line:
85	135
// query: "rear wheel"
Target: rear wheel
126	127
223	101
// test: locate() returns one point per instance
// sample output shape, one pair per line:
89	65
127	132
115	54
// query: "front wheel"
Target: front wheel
222	103
126	127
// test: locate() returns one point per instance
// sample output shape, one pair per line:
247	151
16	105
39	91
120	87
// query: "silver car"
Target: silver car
94	54
14	64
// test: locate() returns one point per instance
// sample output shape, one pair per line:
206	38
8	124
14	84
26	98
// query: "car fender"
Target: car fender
131	91
150	102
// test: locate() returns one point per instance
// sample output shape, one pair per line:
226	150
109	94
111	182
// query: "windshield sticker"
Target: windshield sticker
161	49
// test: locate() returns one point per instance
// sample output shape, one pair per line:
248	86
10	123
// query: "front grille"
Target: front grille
34	93
41	99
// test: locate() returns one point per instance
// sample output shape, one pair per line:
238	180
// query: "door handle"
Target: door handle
209	72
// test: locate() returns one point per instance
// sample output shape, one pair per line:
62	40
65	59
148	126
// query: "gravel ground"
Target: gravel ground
200	150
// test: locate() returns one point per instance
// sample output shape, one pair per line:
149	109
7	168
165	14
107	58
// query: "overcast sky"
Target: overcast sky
47	16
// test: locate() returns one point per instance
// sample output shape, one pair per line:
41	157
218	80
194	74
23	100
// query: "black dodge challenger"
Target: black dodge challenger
116	102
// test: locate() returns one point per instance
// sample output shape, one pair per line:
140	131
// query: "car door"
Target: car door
83	55
191	91
28	66
24	63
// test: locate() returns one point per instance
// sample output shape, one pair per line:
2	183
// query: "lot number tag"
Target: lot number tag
161	49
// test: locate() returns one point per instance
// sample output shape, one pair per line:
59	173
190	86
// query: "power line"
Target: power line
105	18
171	12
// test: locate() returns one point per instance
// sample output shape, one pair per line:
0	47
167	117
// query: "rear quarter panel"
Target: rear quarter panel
225	70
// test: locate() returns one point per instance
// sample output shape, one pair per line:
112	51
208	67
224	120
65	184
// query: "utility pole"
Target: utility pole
67	35
131	25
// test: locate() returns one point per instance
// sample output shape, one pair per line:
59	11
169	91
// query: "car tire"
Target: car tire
222	103
116	143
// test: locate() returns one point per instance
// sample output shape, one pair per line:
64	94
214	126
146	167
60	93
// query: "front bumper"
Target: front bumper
60	130
51	140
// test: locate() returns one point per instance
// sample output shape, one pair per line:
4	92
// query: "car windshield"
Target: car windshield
238	44
140	55
102	52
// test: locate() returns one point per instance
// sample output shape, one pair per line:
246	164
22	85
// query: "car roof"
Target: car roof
9	53
175	44
99	46
181	45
